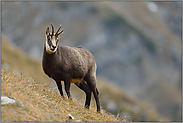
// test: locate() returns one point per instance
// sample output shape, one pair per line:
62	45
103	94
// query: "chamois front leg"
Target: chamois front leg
67	84
59	85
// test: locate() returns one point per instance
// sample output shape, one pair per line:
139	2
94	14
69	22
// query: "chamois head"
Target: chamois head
52	39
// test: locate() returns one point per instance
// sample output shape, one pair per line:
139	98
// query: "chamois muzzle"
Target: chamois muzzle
53	48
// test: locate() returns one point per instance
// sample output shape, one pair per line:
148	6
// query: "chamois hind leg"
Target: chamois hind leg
91	81
59	85
83	86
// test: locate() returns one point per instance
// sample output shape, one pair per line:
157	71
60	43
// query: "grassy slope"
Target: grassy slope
41	103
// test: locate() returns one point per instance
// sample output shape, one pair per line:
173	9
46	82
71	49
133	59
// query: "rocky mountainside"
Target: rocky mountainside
137	45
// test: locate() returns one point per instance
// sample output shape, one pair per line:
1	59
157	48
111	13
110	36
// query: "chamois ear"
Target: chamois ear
47	31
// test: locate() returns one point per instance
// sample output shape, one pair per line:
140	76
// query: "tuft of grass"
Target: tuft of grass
43	104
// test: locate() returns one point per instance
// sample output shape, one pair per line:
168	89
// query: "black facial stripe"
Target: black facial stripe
49	43
49	40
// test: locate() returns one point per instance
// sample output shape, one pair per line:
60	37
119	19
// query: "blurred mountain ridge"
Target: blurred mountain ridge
139	50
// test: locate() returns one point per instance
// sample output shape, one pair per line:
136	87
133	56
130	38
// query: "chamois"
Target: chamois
71	65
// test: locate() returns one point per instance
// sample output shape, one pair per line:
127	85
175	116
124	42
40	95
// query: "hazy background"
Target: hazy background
137	45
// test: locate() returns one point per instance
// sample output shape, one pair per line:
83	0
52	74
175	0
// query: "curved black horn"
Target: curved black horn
52	29
58	30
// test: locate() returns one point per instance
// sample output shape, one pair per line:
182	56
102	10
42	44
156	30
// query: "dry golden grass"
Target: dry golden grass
42	104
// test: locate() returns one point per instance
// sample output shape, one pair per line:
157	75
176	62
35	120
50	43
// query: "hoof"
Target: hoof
70	99
63	97
86	106
98	111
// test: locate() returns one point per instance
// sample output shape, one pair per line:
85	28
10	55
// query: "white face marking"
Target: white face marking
48	48
53	41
